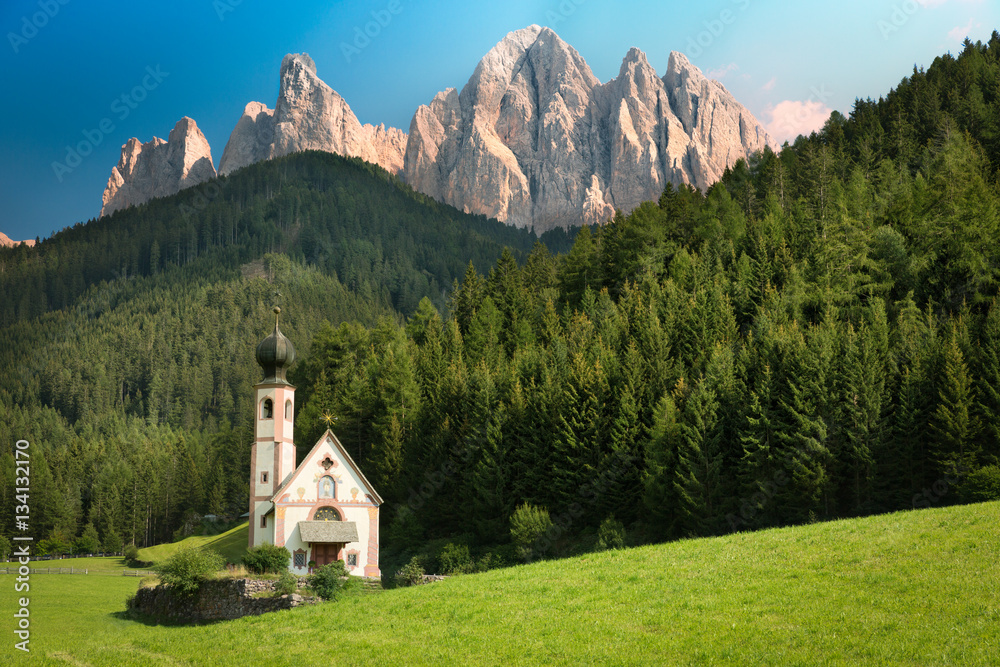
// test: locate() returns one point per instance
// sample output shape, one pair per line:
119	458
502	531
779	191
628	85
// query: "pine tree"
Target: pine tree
988	385
799	425
953	424
697	476
864	370
575	460
758	470
616	489
659	494
465	299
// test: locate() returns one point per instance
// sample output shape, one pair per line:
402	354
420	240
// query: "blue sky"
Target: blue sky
65	65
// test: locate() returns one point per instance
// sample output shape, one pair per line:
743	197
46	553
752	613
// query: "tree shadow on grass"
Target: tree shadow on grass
151	621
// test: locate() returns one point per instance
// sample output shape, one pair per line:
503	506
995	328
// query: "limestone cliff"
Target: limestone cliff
309	115
159	168
536	140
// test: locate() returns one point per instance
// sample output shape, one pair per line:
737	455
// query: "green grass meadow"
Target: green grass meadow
232	544
915	588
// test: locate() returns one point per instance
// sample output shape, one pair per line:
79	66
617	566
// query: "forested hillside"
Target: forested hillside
127	345
818	336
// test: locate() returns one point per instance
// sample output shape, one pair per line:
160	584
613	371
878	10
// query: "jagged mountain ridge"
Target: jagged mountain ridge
308	115
7	242
534	139
159	168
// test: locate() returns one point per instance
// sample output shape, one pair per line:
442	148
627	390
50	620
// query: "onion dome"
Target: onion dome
275	354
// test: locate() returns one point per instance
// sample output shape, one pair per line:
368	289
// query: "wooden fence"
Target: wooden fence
78	570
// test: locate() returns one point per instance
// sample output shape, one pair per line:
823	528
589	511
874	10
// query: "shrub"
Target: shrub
287	584
328	580
131	553
455	559
981	485
187	568
53	546
611	535
267	558
527	524
5	548
410	574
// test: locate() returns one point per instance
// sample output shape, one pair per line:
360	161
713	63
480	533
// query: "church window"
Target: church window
263	477
267	409
352	560
300	559
263	521
288	410
326	514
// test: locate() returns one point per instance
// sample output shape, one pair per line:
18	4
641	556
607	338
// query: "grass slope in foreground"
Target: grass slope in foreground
231	544
915	588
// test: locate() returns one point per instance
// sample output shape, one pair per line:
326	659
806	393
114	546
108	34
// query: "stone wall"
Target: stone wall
217	600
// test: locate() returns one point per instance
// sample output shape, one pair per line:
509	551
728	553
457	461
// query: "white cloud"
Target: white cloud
791	118
722	71
770	84
960	32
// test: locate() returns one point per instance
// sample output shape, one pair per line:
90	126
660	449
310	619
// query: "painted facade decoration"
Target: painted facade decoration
324	509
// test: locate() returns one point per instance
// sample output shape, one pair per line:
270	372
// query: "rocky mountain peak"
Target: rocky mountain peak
6	242
158	168
533	138
294	60
536	140
308	115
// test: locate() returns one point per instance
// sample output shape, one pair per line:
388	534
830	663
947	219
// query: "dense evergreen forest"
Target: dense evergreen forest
815	337
127	343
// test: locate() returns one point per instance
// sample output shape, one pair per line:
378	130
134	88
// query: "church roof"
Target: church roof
347	459
328	531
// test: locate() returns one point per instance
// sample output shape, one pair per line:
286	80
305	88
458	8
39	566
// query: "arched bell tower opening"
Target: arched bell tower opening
272	457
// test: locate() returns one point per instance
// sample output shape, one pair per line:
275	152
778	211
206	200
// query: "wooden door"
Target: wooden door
325	553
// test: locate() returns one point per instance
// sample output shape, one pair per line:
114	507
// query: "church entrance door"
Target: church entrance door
325	553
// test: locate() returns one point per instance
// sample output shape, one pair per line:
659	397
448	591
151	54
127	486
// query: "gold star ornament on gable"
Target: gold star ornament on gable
328	418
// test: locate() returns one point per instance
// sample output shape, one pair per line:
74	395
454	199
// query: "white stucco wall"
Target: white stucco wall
305	494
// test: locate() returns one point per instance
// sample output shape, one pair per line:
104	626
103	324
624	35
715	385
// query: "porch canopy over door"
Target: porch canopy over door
328	538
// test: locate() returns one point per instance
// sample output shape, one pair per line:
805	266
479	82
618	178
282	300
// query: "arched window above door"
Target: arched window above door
326	514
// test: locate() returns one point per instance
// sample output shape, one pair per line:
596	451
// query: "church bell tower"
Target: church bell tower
272	458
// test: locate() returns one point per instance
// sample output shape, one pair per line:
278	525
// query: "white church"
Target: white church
324	509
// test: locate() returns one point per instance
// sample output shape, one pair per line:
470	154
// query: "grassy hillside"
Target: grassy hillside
232	544
915	588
